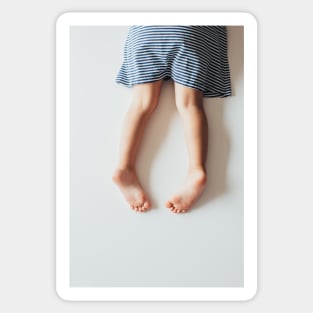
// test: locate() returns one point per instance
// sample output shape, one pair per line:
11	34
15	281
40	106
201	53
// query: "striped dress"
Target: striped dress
194	56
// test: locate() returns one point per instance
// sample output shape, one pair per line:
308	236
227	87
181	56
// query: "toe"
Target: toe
178	209
142	207
146	205
169	204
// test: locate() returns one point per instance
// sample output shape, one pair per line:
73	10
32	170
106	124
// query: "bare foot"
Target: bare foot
128	183
183	200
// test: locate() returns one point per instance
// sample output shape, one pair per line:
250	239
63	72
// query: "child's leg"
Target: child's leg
189	102
145	100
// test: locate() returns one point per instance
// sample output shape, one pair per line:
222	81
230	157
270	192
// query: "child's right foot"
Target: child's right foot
129	185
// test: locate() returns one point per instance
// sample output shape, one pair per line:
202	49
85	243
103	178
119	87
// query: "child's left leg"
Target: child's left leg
189	102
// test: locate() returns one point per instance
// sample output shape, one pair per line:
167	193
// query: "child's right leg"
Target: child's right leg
145	100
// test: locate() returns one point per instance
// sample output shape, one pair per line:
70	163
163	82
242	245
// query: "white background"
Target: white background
27	136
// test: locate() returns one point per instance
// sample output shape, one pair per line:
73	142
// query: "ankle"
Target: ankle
197	169
125	168
120	173
199	172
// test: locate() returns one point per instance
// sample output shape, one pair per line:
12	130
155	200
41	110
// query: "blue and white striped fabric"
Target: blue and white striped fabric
194	56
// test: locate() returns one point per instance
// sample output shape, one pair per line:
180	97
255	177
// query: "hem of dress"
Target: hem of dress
206	94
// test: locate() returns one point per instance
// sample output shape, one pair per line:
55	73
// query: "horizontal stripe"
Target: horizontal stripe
195	56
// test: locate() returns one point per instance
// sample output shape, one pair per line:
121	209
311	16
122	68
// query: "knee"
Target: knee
188	105
146	96
188	100
145	104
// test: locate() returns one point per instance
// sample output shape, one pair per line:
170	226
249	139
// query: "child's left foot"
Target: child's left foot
189	193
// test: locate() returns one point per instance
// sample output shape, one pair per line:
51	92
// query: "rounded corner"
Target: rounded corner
63	17
61	295
251	18
251	294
